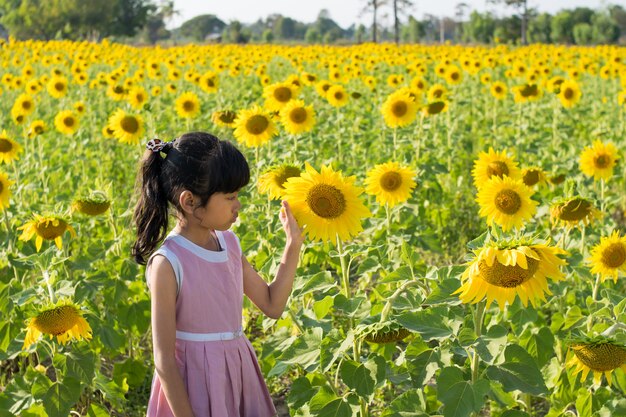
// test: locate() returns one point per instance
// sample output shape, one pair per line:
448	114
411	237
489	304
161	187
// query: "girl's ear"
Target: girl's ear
187	201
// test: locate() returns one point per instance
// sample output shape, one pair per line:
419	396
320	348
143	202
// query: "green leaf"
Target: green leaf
324	396
336	408
322	307
301	392
61	397
350	306
541	346
518	372
442	293
514	413
584	403
133	370
357	377
320	282
96	410
573	317
35	410
333	346
80	363
409	404
305	351
423	366
428	323
459	397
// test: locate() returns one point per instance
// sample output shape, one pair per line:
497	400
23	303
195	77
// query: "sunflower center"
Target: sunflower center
601	357
437	93
56	321
614	255
399	108
257	124
59	86
454	76
38	130
497	168
210	82
390	181
338	95
50	229
139	97
574	210
1	187
68	121
326	201
298	115
602	161
282	94
5	145
129	124
227	116
498	89
26	105
118	89
508	202
568	93
508	276
531	177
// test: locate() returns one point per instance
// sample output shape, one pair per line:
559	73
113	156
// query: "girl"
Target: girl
205	365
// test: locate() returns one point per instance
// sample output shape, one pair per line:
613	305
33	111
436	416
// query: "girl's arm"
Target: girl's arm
163	299
272	298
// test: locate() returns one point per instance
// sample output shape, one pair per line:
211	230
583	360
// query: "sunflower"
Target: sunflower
492	163
93	204
453	75
225	118
326	203
127	128
437	92
598	160
599	355
46	228
391	183
608	258
254	127
5	192
337	96
506	202
278	95
187	105
526	92
24	105
382	332
57	86
502	270
63	320
209	82
272	181
137	97
573	211
498	90
533	176
399	109
569	93
9	149
297	118
435	107
66	122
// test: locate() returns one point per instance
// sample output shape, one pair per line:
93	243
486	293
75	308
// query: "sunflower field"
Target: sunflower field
464	207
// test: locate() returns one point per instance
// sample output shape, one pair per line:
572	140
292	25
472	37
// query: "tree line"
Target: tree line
144	21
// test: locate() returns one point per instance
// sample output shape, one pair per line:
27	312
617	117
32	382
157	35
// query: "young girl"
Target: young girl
205	365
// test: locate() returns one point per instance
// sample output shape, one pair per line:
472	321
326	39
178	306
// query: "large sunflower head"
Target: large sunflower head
337	96
50	227
57	86
9	149
63	320
5	191
502	270
390	182
399	109
297	118
598	160
254	127
278	95
326	203
492	163
506	202
608	258
126	127
272	181
382	332
188	105
599	355
93	204
66	122
573	211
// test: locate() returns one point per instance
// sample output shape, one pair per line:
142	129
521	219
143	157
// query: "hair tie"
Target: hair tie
157	145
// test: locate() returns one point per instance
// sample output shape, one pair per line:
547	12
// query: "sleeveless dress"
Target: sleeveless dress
222	377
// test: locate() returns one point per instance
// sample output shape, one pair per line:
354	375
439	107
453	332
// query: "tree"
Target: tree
479	28
562	26
459	13
522	6
235	33
604	29
399	7
373	6
200	26
539	28
618	14
413	31
583	33
359	34
312	35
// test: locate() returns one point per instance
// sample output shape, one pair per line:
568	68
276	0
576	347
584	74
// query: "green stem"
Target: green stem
478	326
388	213
295	320
46	279
395	142
594	295
387	308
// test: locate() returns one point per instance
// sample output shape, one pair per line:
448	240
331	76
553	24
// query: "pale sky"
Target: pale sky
346	12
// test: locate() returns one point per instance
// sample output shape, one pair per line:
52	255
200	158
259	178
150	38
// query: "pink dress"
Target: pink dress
222	377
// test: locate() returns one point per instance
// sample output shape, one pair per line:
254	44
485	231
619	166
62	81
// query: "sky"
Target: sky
346	12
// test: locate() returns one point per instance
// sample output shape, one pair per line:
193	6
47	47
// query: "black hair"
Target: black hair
198	162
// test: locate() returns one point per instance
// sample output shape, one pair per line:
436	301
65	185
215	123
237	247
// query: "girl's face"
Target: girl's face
220	212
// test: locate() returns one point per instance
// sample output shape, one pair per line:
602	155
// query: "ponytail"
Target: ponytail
151	211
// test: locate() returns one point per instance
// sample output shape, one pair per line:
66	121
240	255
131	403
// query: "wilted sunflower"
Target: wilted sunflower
127	128
492	163
5	192
326	203
66	122
297	118
9	149
46	228
337	96
93	204
573	211
382	332
569	93
399	109
498	90
254	127
272	181
278	95
608	258
533	176
599	355
188	105
391	183
63	320
598	160
57	86
506	202
225	118
500	271
435	107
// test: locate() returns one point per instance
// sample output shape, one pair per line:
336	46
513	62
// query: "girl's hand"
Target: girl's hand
290	225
